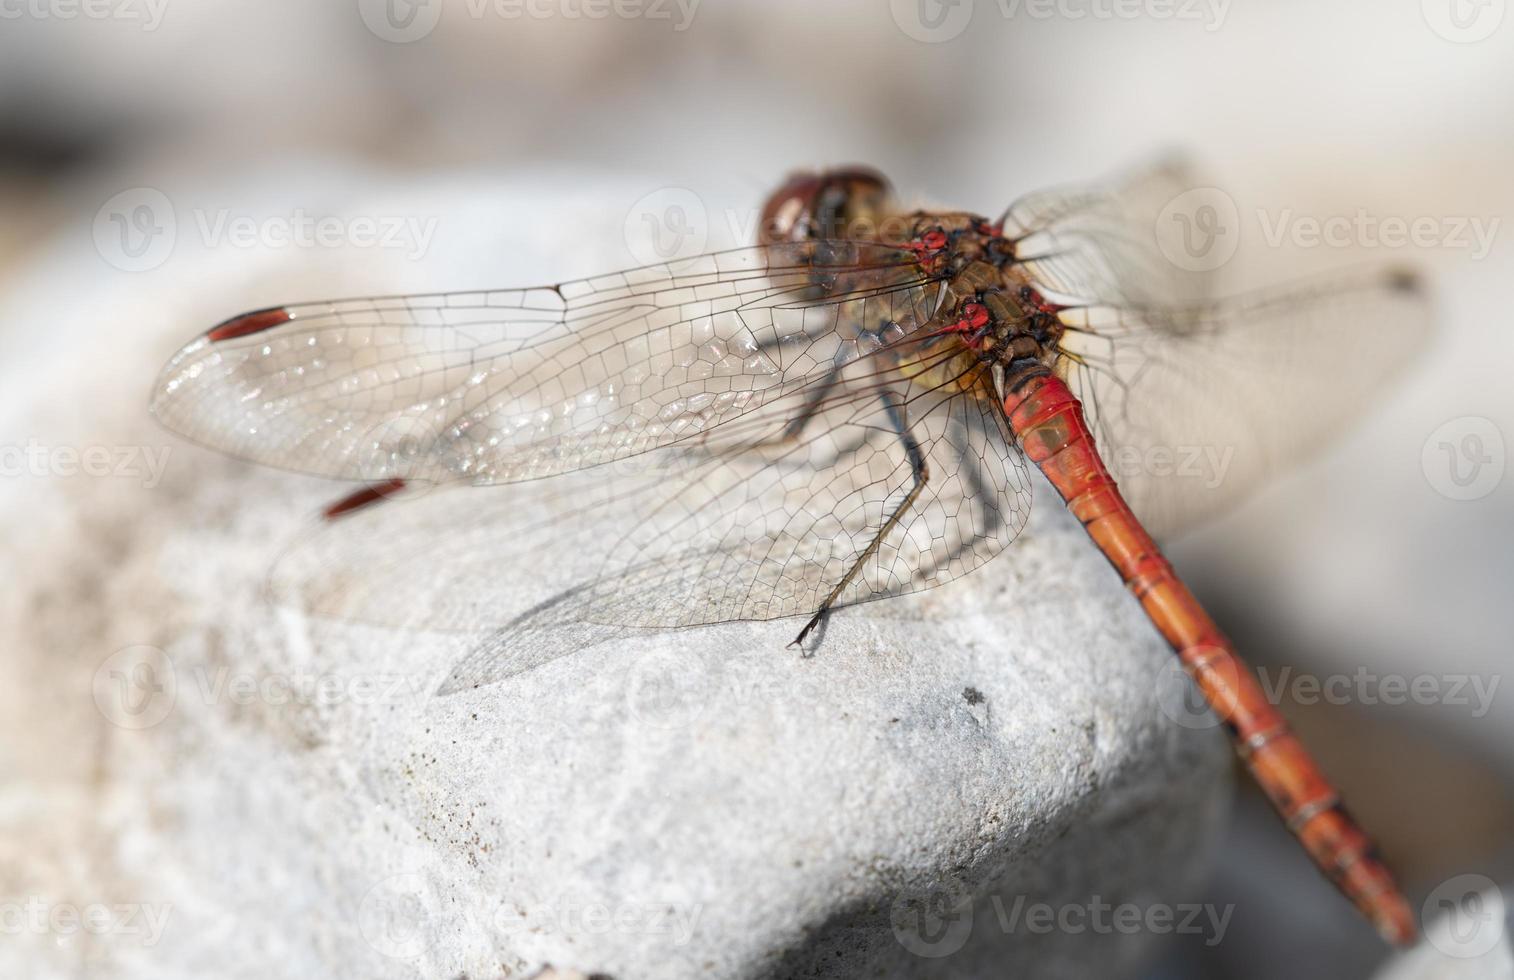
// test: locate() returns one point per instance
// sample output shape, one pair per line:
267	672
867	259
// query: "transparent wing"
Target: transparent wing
1098	243
1193	407
496	387
789	533
759	519
1195	400
766	534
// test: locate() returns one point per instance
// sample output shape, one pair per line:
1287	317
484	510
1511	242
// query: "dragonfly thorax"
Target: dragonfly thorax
987	306
989	309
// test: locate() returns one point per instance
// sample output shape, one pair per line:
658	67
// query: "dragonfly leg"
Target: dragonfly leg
812	402
894	407
983	494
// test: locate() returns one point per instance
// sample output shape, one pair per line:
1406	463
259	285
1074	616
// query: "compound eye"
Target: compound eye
788	214
820	205
858	182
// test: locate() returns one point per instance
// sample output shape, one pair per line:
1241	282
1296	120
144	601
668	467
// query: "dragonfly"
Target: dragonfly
846	411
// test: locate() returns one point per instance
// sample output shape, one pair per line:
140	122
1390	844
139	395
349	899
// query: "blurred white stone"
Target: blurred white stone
915	799
1466	936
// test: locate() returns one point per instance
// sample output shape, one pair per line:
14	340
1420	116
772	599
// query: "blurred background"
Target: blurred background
149	147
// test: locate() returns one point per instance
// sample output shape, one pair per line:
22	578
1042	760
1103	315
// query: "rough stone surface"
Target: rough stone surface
287	796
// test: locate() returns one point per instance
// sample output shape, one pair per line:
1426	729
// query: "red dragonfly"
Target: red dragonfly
841	413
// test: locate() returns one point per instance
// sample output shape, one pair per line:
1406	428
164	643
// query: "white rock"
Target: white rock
1466	935
266	793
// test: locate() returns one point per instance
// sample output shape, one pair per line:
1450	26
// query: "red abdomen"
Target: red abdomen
1048	420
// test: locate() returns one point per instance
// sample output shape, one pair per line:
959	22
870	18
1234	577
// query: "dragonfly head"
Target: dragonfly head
847	203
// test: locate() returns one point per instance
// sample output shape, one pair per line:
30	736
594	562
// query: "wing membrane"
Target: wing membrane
1195	401
1194	407
754	521
503	386
1098	243
726	433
